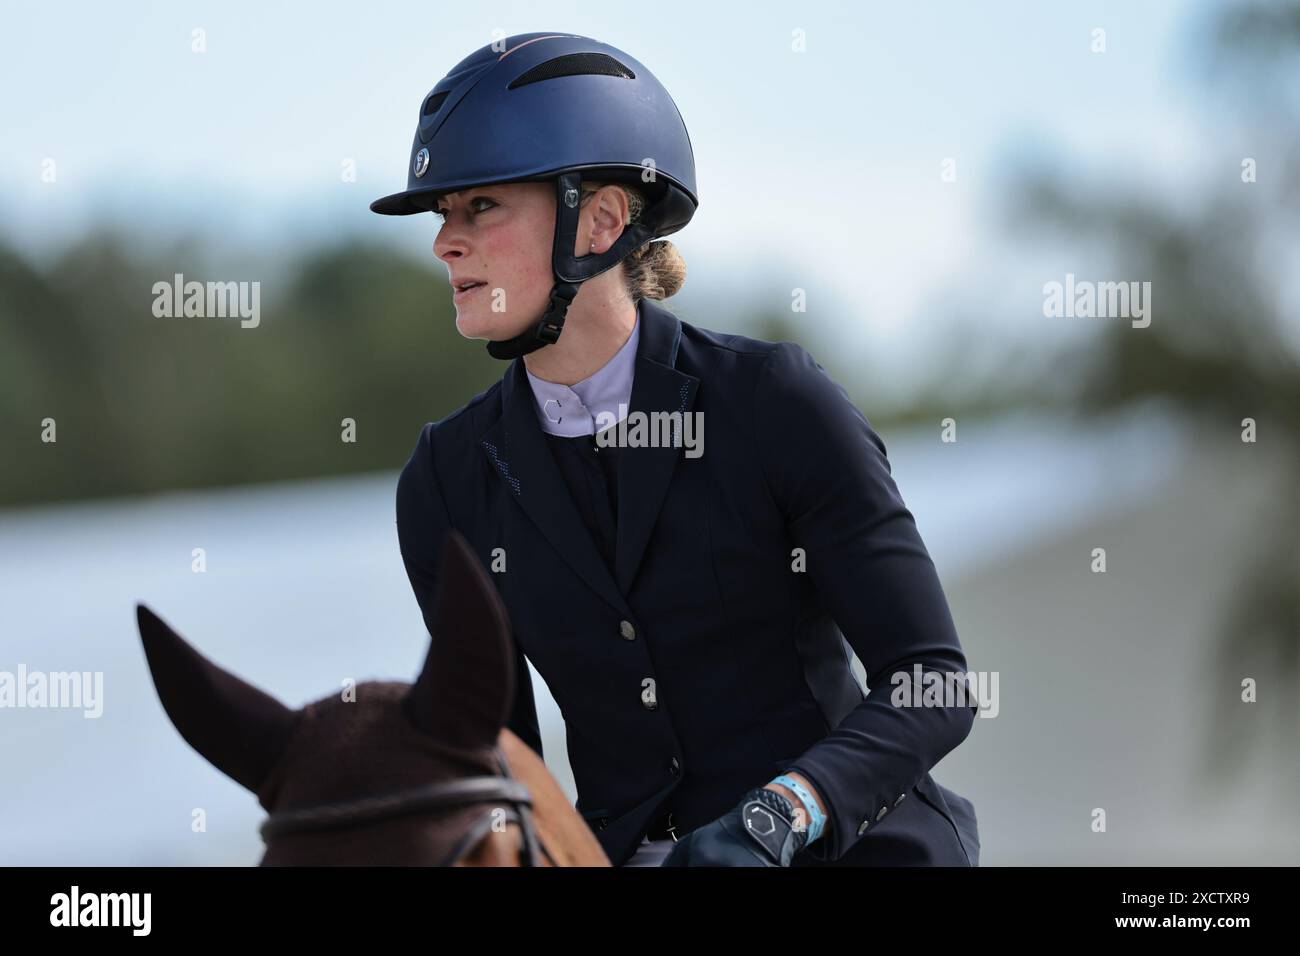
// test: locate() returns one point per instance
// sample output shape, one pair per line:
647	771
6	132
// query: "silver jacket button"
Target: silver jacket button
627	630
863	829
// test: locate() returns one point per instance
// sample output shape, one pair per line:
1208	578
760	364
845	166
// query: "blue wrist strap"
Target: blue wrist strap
816	818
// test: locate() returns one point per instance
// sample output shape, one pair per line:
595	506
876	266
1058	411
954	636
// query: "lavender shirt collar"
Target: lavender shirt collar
570	411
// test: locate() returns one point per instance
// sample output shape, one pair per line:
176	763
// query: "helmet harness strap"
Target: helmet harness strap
570	271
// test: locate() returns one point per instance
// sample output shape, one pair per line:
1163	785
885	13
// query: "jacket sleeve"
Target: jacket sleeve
827	470
422	524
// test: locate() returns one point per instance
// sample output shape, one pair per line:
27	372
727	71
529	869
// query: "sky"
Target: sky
817	169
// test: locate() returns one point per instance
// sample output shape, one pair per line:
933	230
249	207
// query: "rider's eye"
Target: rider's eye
443	212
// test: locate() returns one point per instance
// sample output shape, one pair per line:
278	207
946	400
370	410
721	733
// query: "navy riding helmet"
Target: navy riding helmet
553	106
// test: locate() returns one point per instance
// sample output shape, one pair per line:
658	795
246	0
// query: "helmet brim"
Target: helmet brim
406	203
424	198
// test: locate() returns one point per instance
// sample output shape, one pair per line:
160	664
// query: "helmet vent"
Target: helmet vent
573	64
433	102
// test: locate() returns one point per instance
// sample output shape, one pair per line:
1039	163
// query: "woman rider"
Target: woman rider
687	606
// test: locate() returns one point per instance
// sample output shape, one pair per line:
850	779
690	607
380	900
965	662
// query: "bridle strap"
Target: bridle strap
532	849
441	796
464	792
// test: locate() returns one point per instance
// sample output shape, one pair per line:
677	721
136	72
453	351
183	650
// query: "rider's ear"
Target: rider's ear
239	729
464	693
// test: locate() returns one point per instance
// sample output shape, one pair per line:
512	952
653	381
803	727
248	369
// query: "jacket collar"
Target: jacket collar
519	453
572	411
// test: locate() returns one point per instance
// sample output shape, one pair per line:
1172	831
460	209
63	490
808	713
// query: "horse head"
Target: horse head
391	773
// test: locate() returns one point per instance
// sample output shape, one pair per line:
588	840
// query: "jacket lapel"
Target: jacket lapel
645	472
518	451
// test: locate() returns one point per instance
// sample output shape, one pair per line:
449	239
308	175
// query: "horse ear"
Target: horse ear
238	728
464	693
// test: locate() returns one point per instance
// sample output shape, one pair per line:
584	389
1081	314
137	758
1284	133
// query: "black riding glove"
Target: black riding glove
758	831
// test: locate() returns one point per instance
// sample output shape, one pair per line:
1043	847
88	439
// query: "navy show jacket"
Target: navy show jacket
711	659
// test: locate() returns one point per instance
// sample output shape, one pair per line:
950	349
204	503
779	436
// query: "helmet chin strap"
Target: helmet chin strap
545	332
570	271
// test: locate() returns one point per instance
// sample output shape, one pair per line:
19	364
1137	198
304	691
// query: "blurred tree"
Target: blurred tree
143	403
